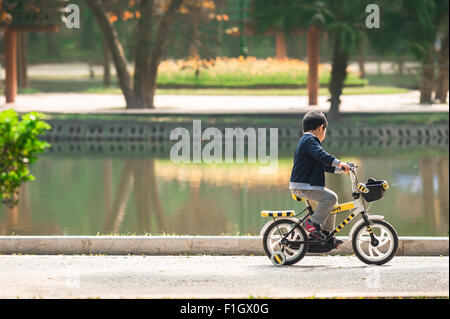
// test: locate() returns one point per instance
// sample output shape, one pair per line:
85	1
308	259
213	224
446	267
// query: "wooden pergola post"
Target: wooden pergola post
22	73
313	65
10	65
280	45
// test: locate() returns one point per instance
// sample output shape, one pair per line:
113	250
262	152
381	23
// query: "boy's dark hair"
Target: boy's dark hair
313	120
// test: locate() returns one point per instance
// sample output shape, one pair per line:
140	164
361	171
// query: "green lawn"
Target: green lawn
275	91
94	87
374	84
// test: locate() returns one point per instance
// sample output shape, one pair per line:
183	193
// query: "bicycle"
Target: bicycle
374	240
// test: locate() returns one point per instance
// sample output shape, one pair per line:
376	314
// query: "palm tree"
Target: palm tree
414	25
342	20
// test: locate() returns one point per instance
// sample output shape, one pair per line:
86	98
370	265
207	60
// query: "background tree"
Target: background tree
443	66
415	25
153	20
343	21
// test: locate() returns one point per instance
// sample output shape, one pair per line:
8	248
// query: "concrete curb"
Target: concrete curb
176	245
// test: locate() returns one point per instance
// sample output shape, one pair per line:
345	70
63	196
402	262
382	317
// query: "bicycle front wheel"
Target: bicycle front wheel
387	242
275	233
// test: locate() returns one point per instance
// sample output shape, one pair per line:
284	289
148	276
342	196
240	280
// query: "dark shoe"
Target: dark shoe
337	242
314	229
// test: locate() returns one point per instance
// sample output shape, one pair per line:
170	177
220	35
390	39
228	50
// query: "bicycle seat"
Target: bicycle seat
299	199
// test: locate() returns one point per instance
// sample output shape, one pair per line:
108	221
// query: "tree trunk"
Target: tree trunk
195	42
147	61
401	64
443	72
426	86
361	62
220	30
280	45
338	76
106	65
148	51
116	49
142	95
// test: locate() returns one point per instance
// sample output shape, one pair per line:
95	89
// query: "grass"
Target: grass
96	87
238	234
346	119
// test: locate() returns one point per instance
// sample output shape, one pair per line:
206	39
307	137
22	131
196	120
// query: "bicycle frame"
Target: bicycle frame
356	207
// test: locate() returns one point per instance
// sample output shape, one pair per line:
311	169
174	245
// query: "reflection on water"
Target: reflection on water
103	195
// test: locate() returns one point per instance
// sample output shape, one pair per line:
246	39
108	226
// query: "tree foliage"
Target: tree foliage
153	20
31	12
415	26
412	25
19	147
342	20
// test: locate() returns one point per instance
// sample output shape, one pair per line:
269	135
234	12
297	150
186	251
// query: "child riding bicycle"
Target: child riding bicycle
307	180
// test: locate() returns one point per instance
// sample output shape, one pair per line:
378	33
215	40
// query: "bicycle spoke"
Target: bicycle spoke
385	237
365	238
371	250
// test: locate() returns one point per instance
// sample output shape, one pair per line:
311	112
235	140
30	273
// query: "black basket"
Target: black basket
376	190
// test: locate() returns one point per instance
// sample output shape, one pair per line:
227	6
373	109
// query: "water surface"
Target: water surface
90	194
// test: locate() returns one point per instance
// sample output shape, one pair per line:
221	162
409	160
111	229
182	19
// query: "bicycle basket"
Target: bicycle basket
377	190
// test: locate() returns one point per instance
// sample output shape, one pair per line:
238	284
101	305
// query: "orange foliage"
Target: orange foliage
127	15
112	18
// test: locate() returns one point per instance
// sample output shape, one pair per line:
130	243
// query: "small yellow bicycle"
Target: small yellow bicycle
374	240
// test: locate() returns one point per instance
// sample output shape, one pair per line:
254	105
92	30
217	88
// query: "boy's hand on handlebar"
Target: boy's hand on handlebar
345	167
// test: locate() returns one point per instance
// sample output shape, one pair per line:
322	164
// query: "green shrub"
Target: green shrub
19	146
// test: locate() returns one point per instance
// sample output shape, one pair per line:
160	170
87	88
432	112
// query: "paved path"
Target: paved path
83	70
217	277
110	103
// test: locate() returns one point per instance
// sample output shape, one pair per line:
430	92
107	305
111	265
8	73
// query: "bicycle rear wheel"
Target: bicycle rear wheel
272	241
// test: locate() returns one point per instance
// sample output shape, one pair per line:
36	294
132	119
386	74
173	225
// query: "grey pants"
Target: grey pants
326	200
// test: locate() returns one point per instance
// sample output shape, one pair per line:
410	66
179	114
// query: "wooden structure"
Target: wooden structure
313	65
312	48
27	16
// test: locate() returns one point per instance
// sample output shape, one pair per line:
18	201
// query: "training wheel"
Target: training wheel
278	258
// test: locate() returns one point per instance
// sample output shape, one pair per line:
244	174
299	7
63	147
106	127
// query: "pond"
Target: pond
87	193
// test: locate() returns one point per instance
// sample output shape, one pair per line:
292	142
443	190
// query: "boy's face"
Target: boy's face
321	132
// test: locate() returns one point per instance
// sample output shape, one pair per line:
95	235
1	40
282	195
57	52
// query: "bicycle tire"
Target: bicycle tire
304	247
389	256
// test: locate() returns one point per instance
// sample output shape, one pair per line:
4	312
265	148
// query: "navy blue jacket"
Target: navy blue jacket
311	162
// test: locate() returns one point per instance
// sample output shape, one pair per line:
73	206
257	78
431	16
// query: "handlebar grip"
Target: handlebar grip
352	165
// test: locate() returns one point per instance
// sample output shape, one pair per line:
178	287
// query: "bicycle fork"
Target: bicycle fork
374	241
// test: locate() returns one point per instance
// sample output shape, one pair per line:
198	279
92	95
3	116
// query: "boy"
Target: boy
308	175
